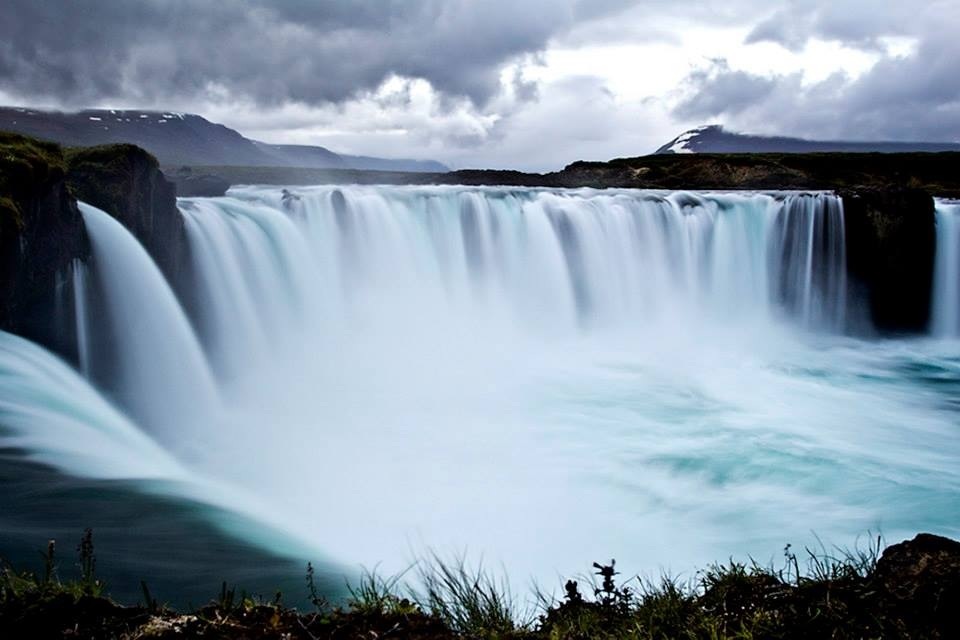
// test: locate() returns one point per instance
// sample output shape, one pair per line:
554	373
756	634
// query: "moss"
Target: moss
112	161
28	168
104	175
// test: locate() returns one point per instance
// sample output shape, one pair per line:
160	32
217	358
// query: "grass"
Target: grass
19	584
817	593
377	595
470	601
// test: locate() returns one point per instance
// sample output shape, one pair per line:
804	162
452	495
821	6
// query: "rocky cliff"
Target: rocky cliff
42	235
891	244
126	182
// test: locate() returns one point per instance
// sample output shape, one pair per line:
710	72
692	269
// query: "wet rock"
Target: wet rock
891	243
919	585
287	197
126	182
192	184
41	233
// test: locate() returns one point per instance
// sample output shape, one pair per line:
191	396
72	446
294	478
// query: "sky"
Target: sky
526	84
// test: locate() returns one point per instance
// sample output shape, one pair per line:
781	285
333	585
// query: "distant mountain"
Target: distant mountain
715	139
369	163
187	139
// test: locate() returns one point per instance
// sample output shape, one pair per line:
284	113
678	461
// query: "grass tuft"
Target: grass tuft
819	593
470	601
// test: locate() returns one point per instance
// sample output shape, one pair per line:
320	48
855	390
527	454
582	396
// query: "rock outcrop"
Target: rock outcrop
41	234
891	243
126	182
919	585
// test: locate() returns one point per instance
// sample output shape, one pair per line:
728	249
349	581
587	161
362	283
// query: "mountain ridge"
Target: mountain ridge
714	138
178	139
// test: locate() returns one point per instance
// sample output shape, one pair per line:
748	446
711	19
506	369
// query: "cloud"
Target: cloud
722	90
859	23
911	97
524	83
84	51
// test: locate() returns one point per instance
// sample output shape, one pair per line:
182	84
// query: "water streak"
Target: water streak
143	348
945	312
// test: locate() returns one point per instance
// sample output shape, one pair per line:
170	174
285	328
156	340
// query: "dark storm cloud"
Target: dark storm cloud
81	51
722	90
854	22
906	97
915	97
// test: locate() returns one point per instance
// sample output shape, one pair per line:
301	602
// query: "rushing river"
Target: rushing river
539	377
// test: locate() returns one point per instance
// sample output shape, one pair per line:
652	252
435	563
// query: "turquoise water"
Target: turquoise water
539	378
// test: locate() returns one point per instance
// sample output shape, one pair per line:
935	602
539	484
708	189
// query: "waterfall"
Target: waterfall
811	248
56	418
361	366
52	413
142	347
945	312
81	297
272	266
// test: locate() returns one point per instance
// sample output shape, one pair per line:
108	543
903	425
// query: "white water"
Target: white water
157	369
55	416
543	377
58	419
945	314
656	376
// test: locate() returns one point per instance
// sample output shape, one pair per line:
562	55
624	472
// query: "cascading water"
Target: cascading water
154	365
810	244
945	314
544	377
53	414
545	260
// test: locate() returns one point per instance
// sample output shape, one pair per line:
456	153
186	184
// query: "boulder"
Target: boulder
891	243
918	582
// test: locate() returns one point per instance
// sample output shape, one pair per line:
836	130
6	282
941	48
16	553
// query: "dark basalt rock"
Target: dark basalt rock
919	584
195	184
287	197
41	233
891	242
126	182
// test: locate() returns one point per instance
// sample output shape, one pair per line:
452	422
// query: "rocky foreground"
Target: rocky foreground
909	590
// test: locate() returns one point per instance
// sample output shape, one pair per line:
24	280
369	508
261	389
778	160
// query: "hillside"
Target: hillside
937	173
186	139
715	139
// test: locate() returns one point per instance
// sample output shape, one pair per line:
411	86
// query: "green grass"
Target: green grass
816	593
469	600
732	600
